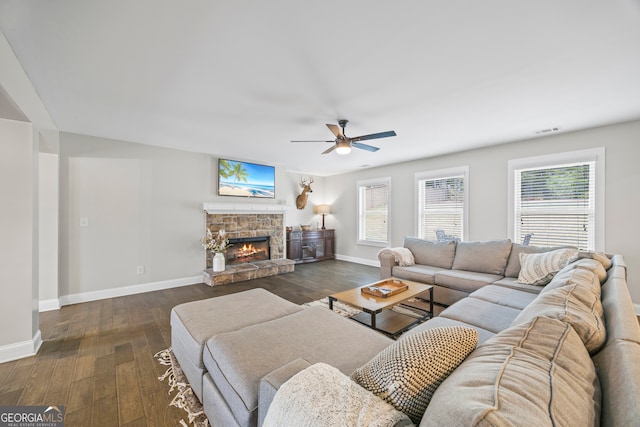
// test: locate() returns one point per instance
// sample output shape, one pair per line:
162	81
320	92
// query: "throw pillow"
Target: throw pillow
575	305
579	273
534	374
408	372
539	269
601	257
321	395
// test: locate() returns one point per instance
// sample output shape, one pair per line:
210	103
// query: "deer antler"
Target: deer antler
304	183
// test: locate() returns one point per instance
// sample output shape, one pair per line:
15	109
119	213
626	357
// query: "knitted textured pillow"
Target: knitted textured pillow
408	372
539	269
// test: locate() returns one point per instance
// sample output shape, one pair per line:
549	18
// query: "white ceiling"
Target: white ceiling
241	79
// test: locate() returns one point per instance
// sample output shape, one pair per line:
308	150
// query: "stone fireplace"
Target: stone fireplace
261	226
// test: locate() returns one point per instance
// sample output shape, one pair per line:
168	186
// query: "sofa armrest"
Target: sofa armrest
387	262
271	382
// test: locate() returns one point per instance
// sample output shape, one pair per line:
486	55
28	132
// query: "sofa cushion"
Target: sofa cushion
585	273
601	257
483	257
321	395
588	264
439	322
197	321
572	304
504	296
483	314
513	264
537	373
512	283
418	273
427	252
407	373
467	281
539	269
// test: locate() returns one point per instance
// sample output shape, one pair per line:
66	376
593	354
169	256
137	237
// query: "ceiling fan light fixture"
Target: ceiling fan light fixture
343	147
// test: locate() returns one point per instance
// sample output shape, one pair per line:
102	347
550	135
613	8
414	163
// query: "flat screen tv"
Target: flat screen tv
243	179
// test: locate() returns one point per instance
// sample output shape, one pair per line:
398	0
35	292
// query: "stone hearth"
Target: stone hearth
247	271
246	221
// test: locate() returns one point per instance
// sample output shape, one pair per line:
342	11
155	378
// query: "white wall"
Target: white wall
296	217
17	275
142	206
42	133
488	192
48	231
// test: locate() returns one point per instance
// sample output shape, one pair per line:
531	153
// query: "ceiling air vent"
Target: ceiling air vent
548	130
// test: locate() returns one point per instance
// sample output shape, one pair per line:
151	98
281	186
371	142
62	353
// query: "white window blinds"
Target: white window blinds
441	205
373	218
556	205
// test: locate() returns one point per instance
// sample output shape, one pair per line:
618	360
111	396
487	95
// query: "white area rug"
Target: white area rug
184	397
338	307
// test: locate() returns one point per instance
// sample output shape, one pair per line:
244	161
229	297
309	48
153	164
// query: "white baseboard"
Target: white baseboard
21	349
373	263
128	290
49	304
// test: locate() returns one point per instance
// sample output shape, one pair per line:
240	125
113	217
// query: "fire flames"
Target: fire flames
247	250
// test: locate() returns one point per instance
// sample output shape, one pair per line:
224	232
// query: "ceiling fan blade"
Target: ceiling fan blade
335	130
374	136
364	146
327	151
314	141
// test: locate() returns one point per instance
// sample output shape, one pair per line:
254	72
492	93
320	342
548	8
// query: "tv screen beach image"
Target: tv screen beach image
244	179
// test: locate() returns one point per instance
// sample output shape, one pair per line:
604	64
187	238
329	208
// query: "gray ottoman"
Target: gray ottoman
193	323
238	361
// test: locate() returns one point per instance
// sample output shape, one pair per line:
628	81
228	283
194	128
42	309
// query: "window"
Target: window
558	200
442	198
373	211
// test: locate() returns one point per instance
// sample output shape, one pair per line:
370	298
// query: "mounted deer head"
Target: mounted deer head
301	200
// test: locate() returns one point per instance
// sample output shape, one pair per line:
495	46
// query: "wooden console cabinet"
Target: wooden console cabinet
310	246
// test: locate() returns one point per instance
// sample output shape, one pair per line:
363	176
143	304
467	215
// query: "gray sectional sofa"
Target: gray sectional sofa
560	354
456	269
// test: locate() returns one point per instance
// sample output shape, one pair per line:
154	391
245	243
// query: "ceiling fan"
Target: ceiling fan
343	143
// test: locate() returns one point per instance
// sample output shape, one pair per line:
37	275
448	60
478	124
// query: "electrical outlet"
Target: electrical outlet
140	269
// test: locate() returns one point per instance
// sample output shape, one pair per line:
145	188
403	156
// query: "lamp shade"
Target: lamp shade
322	209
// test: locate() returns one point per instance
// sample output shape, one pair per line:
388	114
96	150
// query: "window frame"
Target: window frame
366	183
596	155
442	174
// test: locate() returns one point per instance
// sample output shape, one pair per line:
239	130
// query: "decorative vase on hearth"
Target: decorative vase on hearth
218	262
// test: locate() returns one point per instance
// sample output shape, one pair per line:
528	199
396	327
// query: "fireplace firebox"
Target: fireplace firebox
248	249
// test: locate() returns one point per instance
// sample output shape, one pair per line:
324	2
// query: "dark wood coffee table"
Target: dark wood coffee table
376	311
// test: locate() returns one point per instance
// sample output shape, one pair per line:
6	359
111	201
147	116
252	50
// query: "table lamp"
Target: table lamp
322	210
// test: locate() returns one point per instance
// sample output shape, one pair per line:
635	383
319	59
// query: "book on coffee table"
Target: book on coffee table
385	288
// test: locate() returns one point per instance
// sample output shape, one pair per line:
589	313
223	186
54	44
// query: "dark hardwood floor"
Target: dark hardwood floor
97	357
